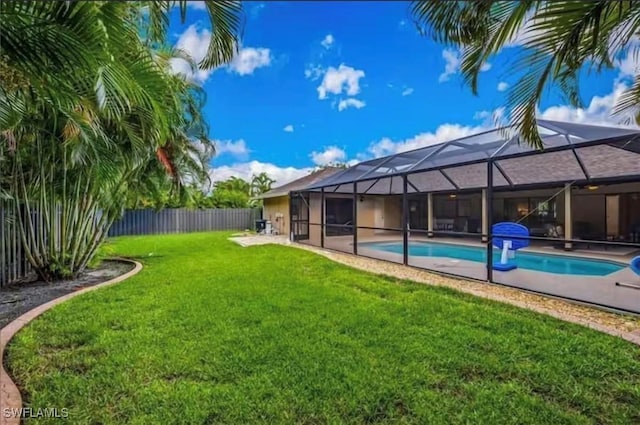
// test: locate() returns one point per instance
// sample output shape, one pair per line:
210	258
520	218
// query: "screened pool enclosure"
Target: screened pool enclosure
434	208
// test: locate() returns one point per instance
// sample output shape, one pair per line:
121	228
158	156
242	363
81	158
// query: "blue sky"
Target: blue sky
319	82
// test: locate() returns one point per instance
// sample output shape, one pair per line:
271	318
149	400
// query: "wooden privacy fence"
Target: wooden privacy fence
14	265
182	220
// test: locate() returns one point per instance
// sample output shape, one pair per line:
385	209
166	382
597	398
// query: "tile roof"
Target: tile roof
300	183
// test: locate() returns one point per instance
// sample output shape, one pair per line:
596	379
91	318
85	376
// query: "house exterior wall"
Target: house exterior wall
588	209
367	209
276	210
366	215
393	212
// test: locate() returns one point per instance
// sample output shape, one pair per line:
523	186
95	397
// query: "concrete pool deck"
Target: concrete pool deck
621	325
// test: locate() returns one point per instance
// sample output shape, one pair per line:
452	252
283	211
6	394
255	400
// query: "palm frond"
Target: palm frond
558	40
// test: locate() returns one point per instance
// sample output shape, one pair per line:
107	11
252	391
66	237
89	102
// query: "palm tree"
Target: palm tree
73	172
559	39
60	53
225	18
88	112
261	183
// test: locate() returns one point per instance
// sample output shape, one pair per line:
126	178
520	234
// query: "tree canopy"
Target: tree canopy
233	192
90	112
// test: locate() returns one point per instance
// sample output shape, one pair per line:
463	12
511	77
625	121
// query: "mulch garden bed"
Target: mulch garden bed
20	297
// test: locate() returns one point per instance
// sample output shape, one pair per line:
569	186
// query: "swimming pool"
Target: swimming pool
526	260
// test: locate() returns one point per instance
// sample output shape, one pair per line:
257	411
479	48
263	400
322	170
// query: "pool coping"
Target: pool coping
533	249
10	397
528	250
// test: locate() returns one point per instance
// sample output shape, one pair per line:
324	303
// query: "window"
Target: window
339	211
531	212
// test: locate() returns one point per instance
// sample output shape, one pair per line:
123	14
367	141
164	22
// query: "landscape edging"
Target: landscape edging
10	397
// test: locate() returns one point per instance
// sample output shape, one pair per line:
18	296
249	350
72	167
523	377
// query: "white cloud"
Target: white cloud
198	5
313	72
491	119
407	91
629	63
481	115
205	151
330	155
327	41
597	112
288	128
249	59
195	42
181	66
245	170
350	103
452	63
498	114
236	148
194	4
502	86
443	133
336	80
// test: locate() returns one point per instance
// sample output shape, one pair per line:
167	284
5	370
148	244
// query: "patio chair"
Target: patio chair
550	231
556	232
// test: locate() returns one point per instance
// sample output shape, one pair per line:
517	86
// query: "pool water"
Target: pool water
525	260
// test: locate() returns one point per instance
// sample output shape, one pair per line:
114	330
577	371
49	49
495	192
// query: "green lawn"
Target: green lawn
210	332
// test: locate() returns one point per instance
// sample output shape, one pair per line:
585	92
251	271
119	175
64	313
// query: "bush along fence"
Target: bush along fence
182	220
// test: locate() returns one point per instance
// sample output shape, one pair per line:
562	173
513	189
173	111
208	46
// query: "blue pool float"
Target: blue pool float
503	242
635	265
